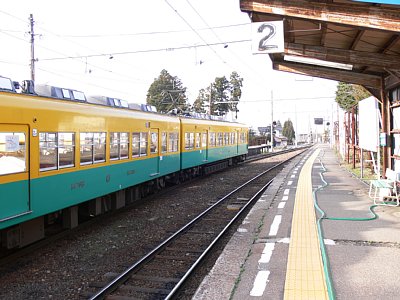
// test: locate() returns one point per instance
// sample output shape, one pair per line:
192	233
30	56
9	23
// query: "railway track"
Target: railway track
161	273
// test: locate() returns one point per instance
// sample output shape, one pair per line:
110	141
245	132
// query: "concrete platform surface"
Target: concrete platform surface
364	256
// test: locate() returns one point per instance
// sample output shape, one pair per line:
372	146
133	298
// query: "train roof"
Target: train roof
72	97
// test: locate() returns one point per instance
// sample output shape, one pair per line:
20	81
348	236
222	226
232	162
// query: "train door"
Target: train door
204	145
155	149
14	171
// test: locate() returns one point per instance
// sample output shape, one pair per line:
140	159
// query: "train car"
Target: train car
61	157
205	142
57	154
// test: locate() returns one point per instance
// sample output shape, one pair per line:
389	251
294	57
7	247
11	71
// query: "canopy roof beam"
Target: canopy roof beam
362	16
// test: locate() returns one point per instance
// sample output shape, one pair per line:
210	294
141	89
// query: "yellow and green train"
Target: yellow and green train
61	157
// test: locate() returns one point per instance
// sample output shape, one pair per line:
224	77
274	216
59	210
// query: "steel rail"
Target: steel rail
120	279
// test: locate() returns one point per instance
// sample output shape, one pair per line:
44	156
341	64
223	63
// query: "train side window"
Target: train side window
233	142
204	140
86	148
48	151
198	139
154	143
220	139
226	138
163	142
173	142
66	149
212	139
135	144
12	152
143	143
124	145
99	147
189	140
114	145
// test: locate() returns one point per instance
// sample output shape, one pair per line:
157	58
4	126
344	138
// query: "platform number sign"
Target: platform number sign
267	37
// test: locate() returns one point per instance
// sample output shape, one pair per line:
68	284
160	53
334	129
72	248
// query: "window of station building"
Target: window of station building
226	138
12	152
173	142
163	142
204	140
143	143
198	139
154	143
119	148
189	140
57	150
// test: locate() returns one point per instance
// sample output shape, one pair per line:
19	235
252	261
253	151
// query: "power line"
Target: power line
143	51
194	30
149	33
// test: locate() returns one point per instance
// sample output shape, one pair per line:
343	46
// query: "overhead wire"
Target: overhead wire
194	30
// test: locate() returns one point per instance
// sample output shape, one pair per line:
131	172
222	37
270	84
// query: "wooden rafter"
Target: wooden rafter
390	43
366	80
344	56
364	16
357	39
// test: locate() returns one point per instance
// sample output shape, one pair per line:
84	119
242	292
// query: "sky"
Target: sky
117	48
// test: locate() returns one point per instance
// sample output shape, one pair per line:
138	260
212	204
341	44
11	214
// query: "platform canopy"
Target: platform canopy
362	36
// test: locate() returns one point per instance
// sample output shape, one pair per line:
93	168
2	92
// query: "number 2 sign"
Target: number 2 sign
267	37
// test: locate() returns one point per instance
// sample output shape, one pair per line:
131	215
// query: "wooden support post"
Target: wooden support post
353	136
385	125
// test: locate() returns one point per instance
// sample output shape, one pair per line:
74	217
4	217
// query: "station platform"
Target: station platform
279	252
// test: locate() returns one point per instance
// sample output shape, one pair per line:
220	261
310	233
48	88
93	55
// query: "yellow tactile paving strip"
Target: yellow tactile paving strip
305	278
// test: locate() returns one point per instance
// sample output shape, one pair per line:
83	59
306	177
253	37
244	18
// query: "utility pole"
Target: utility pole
32	22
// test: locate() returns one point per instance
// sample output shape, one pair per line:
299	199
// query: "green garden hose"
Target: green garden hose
329	284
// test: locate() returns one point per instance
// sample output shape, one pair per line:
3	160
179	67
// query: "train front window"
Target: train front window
12	152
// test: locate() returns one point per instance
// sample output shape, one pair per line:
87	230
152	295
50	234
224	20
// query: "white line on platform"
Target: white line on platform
267	253
275	225
281	204
286	191
285	198
260	283
290	182
292	176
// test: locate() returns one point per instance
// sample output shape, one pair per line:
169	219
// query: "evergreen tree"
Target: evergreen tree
167	93
200	102
348	95
288	131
